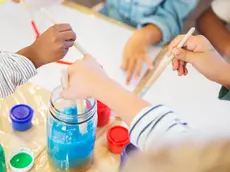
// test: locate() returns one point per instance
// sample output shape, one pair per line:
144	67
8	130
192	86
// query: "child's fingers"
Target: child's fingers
185	71
175	64
68	44
181	68
174	44
130	70
138	68
148	62
125	63
68	35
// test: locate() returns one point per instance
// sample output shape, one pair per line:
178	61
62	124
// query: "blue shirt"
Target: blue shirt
167	15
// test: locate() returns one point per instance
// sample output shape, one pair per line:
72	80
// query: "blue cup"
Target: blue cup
21	116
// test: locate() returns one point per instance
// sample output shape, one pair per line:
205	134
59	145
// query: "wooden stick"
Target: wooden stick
80	103
164	64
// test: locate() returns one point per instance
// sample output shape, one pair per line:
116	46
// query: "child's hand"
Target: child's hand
51	46
200	53
86	79
134	54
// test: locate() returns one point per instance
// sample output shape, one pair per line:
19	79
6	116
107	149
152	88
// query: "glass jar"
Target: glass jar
70	135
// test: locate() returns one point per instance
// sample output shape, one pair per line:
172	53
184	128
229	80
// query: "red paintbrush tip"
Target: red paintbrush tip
35	29
64	62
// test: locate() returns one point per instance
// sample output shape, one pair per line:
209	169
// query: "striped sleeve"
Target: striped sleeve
14	71
153	123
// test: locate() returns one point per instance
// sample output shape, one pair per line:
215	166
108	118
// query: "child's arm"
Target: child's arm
215	29
16	69
160	28
147	122
169	17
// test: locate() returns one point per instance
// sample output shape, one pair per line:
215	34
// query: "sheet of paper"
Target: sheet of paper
193	98
15	29
103	40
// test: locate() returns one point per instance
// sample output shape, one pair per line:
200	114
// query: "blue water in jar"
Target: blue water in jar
67	146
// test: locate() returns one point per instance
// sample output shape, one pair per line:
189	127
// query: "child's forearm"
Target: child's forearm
215	30
147	122
152	34
120	100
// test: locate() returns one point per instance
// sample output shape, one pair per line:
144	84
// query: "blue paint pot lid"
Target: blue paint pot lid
21	113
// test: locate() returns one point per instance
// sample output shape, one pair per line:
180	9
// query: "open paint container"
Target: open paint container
103	113
21	160
117	139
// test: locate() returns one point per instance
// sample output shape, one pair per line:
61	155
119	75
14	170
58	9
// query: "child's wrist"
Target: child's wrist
29	53
103	88
152	34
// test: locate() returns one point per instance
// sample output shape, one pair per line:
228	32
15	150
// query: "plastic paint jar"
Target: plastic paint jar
103	113
70	135
2	160
21	116
117	139
21	160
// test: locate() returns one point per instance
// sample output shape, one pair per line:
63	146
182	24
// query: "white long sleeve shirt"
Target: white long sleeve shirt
15	70
154	123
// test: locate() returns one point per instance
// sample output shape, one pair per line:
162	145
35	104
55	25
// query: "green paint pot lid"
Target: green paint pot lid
21	160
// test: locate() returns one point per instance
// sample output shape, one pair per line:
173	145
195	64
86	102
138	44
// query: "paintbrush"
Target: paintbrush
164	63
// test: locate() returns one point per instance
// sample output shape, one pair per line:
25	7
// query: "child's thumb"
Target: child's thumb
184	55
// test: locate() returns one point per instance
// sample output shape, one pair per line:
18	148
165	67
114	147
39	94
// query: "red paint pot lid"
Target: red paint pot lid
101	105
118	136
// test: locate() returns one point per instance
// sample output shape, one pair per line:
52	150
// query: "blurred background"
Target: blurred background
187	24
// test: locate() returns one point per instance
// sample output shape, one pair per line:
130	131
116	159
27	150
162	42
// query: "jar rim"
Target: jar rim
88	115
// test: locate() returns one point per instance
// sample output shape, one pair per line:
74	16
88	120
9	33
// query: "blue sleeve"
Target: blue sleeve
169	17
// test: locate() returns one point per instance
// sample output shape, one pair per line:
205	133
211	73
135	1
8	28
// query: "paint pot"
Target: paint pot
103	113
117	139
129	150
21	116
2	160
21	160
